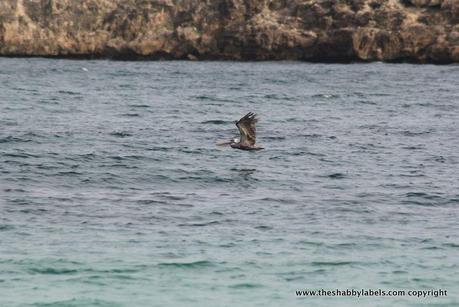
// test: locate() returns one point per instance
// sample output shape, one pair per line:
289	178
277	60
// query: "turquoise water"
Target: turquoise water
113	193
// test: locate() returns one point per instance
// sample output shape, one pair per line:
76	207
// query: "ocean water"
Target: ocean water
113	193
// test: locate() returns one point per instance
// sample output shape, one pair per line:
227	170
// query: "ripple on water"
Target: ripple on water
326	96
142	106
201	264
71	93
334	176
211	223
246	286
5	227
12	139
120	134
216	122
76	302
333	263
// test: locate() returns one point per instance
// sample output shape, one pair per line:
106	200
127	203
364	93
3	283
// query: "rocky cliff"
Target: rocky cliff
312	30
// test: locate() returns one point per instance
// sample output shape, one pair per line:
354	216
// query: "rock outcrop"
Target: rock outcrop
311	30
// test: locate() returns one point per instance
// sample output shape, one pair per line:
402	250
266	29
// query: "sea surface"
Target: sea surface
113	192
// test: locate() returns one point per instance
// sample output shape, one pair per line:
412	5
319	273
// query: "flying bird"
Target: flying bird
248	134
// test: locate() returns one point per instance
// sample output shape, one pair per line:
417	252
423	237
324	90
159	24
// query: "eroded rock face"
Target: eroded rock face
315	30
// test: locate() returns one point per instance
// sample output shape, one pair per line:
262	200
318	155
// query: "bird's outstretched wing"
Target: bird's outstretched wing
246	126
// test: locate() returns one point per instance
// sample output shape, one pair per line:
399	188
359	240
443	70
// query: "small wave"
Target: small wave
274	138
335	176
120	134
439	159
358	94
277	158
243	169
278	97
19	155
88	156
423	199
278	199
313	136
211	98
431	248
14	190
413	174
417	203
413	133
245	286
130	115
263	227
277	81
172	197
12	139
422	195
453	245
150	202
315	154
48	101
69	93
188	265
79	302
380	94
200	224
366	146
69	173
414	147
138	268
298	153
332	263
227	245
191	151
125	86
30	90
139	106
312	243
122	158
215	122
158	149
326	96
53	271
34	211
366	102
6	227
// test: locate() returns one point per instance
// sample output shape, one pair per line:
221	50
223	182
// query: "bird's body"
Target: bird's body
247	130
243	147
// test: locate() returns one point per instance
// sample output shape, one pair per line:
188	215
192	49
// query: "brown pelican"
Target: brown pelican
246	126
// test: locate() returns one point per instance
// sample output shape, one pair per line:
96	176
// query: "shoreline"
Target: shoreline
171	59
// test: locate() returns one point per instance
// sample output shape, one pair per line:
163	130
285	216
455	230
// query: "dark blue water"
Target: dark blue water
113	193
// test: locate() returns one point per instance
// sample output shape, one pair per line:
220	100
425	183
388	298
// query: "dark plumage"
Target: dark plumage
248	132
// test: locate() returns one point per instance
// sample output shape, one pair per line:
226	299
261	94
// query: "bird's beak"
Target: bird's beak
223	142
